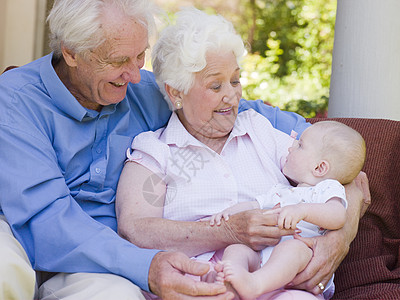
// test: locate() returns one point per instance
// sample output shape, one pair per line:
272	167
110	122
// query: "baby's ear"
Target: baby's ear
321	169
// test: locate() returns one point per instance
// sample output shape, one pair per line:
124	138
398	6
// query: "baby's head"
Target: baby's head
326	150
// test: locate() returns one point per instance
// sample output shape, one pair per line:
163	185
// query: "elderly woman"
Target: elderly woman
209	157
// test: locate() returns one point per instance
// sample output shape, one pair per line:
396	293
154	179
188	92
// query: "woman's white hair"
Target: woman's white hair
181	50
77	23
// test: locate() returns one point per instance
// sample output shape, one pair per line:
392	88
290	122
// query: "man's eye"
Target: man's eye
118	63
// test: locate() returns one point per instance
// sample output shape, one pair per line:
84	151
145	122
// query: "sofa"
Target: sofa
371	270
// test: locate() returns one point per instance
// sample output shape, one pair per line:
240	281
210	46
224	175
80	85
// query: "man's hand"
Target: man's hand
361	182
255	229
168	281
328	252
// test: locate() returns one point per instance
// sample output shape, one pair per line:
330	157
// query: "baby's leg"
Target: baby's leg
287	260
242	256
237	261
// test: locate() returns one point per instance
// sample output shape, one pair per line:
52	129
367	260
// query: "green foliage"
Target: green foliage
290	53
259	81
308	109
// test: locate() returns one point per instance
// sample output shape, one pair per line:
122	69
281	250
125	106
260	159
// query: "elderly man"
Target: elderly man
66	121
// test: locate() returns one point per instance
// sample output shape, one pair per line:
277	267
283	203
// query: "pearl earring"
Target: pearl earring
178	104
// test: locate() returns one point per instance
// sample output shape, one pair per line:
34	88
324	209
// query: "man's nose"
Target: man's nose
132	74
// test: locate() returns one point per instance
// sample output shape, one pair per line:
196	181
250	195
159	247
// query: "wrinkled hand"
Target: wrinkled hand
168	281
254	229
328	252
361	182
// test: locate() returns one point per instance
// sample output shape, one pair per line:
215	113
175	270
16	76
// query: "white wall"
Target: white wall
365	78
21	31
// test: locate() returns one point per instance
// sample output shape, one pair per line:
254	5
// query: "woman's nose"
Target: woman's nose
231	96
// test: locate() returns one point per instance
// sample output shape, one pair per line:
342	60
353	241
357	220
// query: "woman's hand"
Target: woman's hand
254	229
168	281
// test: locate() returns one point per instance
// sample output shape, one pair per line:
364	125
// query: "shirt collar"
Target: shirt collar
239	127
176	134
62	97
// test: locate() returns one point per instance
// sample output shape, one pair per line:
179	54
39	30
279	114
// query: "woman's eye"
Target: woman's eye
216	87
235	82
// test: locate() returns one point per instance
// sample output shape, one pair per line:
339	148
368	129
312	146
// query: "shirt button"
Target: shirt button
97	170
98	150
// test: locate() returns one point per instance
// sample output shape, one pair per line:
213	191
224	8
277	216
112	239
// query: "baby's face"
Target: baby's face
303	156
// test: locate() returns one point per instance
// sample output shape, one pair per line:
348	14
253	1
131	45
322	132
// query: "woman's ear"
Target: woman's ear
321	169
69	56
173	94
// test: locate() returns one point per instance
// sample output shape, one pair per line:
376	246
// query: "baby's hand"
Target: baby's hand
290	216
239	207
216	219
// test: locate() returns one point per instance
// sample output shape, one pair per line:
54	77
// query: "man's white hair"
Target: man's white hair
77	23
181	49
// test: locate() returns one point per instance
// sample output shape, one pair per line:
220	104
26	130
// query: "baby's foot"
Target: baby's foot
242	281
220	279
220	276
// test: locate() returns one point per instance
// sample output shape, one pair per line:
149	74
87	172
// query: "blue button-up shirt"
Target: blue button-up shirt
60	164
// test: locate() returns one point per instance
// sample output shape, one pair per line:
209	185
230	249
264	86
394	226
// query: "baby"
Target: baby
328	155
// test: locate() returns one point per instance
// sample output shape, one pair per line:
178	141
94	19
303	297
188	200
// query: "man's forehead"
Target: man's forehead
115	46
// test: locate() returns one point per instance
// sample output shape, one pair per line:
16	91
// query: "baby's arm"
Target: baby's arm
242	206
330	215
